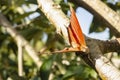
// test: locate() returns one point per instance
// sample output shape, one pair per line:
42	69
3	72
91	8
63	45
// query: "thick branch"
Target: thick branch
55	15
95	55
107	46
103	66
102	12
18	38
106	69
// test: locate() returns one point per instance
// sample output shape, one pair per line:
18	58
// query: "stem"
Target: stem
20	59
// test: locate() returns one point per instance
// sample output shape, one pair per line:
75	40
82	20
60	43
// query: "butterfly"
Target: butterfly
75	35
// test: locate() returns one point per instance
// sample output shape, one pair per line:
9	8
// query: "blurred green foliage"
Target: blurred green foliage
31	23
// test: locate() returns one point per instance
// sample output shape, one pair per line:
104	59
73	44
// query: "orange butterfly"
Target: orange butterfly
76	37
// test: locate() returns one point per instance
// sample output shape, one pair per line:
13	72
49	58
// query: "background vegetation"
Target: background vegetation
34	26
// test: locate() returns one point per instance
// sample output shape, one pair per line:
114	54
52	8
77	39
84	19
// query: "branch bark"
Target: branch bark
20	59
95	56
102	65
55	15
108	45
102	12
18	38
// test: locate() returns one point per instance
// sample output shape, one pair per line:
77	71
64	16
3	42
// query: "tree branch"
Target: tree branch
18	38
95	55
20	59
100	10
55	15
102	65
106	69
108	45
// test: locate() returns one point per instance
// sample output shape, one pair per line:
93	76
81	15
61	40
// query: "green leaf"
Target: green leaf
57	1
46	68
81	72
31	1
30	33
68	75
21	17
97	26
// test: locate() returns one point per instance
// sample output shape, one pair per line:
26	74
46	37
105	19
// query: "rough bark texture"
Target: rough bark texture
55	15
106	69
102	65
109	46
95	56
102	12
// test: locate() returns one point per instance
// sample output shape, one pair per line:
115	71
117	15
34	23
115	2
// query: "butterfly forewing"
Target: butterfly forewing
76	28
76	37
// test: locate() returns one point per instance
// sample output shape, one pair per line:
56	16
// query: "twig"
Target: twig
1	77
20	59
110	56
118	39
18	38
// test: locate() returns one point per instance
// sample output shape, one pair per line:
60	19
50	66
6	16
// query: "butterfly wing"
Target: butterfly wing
76	37
76	29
